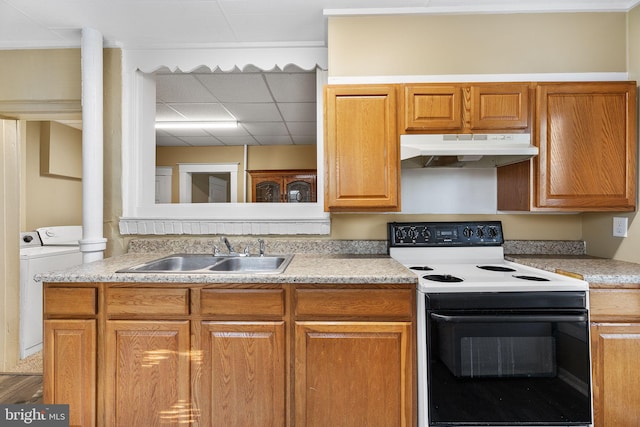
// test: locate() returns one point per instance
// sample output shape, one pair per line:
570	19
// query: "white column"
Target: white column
93	243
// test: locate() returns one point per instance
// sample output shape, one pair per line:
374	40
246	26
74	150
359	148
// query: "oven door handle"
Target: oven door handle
510	318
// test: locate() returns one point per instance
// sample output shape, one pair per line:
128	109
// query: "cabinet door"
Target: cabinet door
361	148
70	368
243	374
587	141
267	190
501	106
433	107
147	373
300	188
616	397
353	374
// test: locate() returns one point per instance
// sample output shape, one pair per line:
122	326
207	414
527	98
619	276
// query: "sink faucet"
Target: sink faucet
228	245
261	243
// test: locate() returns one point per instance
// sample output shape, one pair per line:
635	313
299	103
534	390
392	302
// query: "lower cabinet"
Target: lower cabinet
353	374
147	379
615	345
242	374
70	368
231	355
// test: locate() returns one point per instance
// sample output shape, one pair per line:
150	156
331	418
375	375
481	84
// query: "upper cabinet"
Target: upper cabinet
586	133
361	148
467	108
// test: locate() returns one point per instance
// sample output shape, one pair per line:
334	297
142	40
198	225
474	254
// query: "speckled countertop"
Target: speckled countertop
599	272
340	261
304	268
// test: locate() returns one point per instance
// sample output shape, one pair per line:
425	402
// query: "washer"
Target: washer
46	249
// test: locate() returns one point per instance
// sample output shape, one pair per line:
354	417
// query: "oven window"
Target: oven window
505	368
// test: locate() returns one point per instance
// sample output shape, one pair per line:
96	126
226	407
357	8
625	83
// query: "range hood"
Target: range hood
465	150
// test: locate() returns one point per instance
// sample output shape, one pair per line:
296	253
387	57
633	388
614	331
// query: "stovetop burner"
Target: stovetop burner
448	278
421	268
496	268
532	278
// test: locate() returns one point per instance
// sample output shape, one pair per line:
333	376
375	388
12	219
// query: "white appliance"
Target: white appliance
495	338
465	150
43	250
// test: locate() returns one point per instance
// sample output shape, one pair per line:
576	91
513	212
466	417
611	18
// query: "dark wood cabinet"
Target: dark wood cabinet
288	186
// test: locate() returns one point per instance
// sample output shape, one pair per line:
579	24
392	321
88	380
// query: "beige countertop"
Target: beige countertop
599	272
304	268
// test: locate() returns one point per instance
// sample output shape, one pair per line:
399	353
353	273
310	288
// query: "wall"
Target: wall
597	228
47	84
9	254
443	45
50	200
60	150
258	158
282	157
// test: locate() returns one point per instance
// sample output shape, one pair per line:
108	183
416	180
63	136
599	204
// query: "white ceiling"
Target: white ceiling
272	108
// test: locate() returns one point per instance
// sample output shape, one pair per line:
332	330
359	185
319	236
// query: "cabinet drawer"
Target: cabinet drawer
70	301
614	305
244	302
378	303
148	301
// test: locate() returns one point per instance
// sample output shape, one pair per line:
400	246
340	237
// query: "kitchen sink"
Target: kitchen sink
209	264
250	264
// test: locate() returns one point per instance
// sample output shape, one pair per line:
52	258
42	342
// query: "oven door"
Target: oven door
511	366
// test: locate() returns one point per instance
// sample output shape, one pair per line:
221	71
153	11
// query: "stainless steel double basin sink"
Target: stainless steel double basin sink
211	264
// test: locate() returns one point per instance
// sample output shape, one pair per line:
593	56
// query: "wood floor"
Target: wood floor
20	388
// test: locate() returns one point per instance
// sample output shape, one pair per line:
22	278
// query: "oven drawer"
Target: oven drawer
341	303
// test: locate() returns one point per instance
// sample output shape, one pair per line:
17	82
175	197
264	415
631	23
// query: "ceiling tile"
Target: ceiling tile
292	87
236	87
165	113
199	141
254	112
181	87
266	128
304	140
298	111
302	128
273	140
238	140
168	141
201	111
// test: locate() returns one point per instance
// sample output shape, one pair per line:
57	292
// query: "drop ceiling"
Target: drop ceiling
271	107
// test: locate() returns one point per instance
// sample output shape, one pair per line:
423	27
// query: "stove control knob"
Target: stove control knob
27	238
413	234
480	232
492	232
467	232
426	233
400	234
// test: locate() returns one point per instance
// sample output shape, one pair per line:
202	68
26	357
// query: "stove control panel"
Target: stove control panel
467	233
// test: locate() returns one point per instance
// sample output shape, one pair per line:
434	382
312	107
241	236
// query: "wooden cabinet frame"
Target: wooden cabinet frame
283	178
362	151
230	354
615	345
467	107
